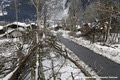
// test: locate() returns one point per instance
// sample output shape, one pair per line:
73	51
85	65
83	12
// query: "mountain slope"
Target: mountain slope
26	11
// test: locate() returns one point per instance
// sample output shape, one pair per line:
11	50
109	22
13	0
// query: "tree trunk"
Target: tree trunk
108	31
38	13
40	68
2	12
16	8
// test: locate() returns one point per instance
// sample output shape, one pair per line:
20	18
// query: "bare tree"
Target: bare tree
40	68
91	11
3	16
16	9
37	4
108	13
45	15
2	11
75	9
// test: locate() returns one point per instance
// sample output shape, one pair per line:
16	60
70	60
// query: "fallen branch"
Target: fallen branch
21	63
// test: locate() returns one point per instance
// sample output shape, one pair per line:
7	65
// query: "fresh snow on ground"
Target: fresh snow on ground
112	53
4	41
64	72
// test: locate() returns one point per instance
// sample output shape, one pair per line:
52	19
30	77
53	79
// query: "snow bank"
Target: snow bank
64	72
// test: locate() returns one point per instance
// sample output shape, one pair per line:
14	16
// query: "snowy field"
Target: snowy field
112	53
63	68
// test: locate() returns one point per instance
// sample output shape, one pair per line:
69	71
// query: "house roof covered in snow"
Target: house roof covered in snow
20	24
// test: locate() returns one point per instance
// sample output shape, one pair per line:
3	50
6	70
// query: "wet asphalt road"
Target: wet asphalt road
110	68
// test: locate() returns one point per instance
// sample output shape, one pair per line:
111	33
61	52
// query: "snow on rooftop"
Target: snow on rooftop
19	23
